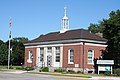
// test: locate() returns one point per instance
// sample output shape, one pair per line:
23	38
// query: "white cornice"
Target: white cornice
91	44
65	41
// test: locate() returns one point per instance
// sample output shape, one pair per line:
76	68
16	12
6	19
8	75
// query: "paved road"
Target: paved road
18	75
26	76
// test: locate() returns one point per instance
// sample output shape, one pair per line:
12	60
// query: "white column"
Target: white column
53	56
38	57
45	56
111	69
61	56
98	70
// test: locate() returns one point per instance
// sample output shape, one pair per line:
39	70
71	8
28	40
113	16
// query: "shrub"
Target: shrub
107	73
117	72
71	71
79	72
45	69
58	70
28	68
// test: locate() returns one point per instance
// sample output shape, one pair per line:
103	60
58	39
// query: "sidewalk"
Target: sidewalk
16	71
105	78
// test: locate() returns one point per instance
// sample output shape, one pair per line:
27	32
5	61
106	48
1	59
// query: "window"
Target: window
49	56
30	56
57	52
70	56
41	54
49	50
90	56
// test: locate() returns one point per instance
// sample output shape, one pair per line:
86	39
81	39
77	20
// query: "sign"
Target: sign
104	68
101	68
105	62
76	65
107	68
105	65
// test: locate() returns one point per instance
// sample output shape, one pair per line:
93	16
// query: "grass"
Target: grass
60	74
11	67
3	67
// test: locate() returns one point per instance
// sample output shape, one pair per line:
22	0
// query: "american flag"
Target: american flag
10	22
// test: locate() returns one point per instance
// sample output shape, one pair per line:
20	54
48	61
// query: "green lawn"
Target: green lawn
12	67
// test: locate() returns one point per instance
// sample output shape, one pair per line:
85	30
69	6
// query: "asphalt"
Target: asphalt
68	75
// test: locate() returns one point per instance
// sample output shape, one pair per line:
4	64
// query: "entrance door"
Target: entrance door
49	60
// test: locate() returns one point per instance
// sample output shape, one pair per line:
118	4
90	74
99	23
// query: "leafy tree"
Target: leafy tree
112	33
20	39
96	28
17	55
93	28
3	53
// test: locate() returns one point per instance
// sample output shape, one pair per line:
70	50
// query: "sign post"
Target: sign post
105	65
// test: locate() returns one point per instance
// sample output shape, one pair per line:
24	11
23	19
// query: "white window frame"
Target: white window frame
92	56
30	56
49	50
69	56
57	54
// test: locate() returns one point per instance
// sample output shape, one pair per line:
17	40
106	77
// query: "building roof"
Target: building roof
68	35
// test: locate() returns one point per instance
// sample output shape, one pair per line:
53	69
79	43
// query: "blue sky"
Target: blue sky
31	18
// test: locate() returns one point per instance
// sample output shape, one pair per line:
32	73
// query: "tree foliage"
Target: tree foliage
17	53
3	53
111	31
17	56
96	28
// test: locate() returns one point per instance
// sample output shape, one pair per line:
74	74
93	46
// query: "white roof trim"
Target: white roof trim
66	41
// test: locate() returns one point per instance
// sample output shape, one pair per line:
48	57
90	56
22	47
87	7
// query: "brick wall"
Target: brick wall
26	56
78	58
97	54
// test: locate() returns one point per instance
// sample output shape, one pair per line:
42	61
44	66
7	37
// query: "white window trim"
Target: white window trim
29	56
92	57
42	53
57	55
69	57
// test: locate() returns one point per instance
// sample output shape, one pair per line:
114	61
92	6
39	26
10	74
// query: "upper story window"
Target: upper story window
49	50
41	54
57	52
90	56
71	56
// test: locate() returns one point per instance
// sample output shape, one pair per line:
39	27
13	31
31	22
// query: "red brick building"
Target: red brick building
68	49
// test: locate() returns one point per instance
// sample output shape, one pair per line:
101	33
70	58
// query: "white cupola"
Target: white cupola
65	22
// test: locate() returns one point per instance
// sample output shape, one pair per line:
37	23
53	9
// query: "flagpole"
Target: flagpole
9	53
10	24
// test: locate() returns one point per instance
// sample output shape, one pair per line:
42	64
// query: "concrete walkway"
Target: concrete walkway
16	71
105	78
